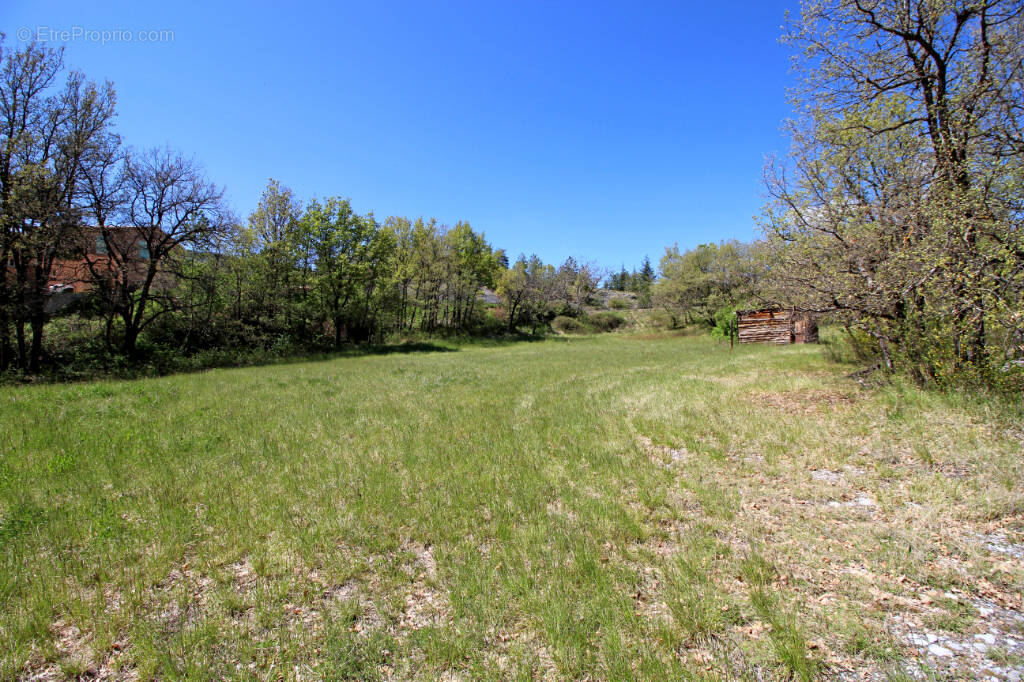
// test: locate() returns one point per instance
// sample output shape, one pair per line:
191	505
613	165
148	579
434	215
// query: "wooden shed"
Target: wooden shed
775	325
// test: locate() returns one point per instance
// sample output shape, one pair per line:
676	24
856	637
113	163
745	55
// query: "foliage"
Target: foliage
638	281
698	283
568	325
170	271
52	138
349	254
725	323
528	288
899	207
605	321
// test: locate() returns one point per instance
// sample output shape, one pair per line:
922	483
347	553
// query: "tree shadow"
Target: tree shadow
392	348
497	341
155	366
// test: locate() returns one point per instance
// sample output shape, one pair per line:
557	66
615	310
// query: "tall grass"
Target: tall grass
491	512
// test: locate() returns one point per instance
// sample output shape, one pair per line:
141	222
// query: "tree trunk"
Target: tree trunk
5	339
36	350
108	332
37	317
131	334
131	337
22	348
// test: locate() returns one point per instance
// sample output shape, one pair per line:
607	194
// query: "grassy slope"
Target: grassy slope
603	507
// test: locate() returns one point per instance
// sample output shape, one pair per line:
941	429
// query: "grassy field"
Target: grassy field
615	507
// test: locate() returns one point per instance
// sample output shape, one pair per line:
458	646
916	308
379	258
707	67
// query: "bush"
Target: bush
564	310
725	323
619	303
663	319
568	325
606	321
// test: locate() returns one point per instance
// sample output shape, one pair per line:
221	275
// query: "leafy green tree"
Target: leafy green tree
280	262
695	284
645	277
574	284
351	257
203	297
502	259
642	282
898	209
474	265
403	274
528	288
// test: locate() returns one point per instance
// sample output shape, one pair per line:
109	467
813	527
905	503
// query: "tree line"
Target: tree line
167	264
638	281
898	214
321	274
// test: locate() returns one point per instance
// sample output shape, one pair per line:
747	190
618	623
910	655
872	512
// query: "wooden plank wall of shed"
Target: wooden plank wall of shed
765	327
805	329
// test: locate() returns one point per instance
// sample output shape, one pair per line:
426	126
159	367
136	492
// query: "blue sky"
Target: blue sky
598	130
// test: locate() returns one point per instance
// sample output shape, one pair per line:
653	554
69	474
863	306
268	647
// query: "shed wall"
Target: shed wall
776	326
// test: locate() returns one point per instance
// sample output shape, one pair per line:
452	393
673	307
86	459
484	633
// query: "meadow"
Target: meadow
607	507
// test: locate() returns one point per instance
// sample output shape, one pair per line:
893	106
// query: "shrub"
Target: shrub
725	323
606	321
619	303
662	319
564	310
568	325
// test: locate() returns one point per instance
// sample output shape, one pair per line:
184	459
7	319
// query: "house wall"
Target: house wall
73	272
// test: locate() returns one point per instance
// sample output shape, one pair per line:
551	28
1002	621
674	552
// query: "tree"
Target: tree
351	256
898	208
642	281
502	258
575	283
203	297
567	274
702	281
473	266
404	270
274	226
645	278
528	289
169	207
619	281
46	144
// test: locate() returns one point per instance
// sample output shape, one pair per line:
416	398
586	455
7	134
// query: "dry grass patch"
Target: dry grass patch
806	401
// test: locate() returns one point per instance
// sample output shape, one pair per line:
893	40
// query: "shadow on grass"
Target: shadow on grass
497	341
159	363
390	349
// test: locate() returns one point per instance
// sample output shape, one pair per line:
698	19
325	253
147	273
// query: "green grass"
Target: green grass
612	507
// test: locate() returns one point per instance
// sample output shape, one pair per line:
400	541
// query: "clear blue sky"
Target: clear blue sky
602	131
